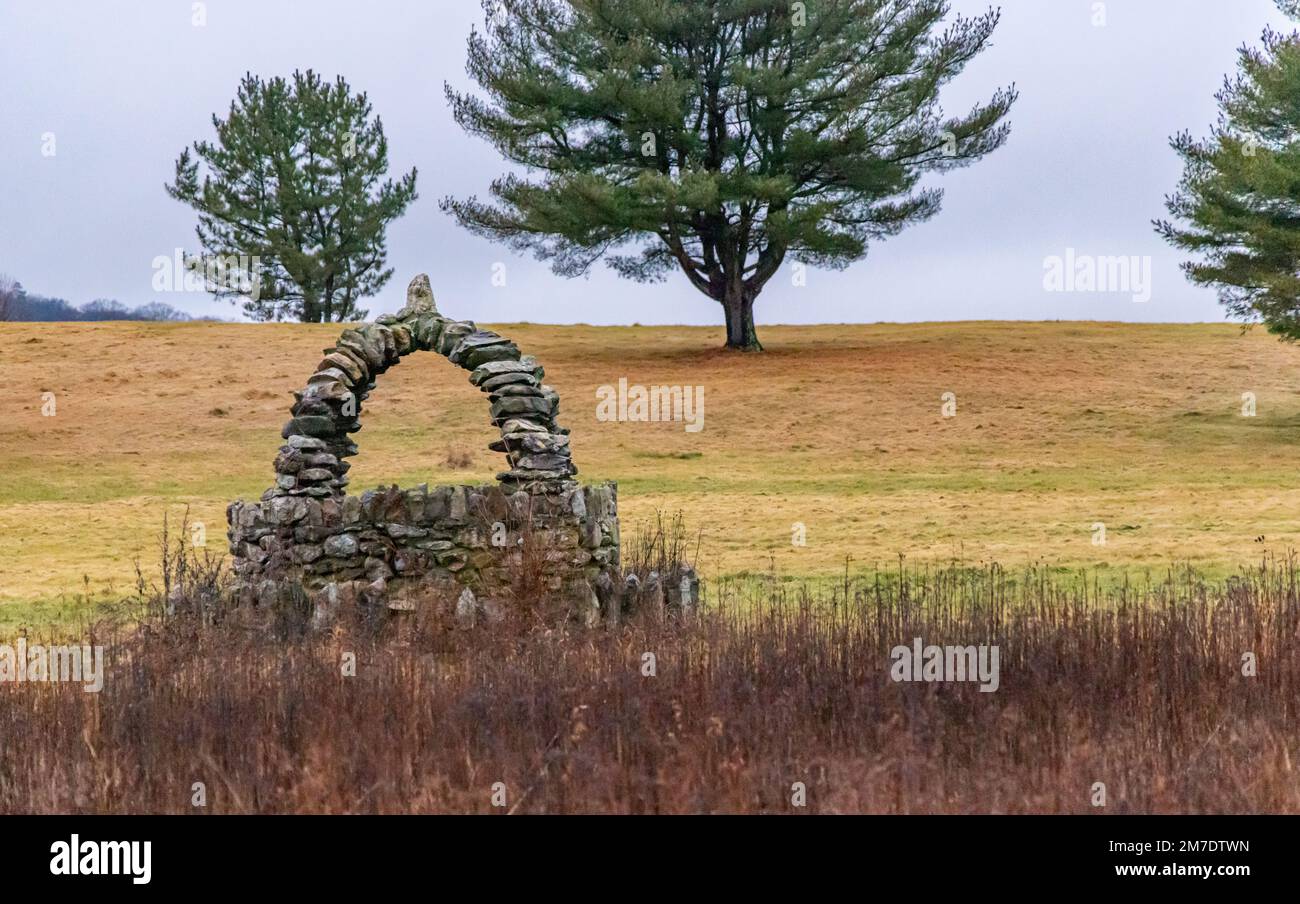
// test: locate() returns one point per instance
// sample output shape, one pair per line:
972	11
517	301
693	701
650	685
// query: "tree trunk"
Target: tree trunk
310	307
327	315
739	307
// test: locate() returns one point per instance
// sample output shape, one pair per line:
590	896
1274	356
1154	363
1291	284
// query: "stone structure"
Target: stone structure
307	537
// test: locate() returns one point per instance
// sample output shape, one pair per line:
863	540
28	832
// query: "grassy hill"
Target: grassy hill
1059	426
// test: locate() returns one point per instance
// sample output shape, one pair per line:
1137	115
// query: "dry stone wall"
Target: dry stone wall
307	536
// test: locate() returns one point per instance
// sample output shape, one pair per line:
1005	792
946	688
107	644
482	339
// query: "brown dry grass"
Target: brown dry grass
1059	425
1141	690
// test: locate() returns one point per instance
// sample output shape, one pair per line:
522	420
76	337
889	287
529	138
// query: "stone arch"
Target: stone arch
308	537
313	461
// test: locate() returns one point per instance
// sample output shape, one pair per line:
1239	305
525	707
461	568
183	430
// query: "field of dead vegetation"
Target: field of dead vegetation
1059	427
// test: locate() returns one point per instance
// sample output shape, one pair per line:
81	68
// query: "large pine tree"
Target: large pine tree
1237	207
296	179
718	137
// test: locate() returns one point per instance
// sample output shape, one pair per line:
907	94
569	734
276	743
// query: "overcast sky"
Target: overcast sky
124	87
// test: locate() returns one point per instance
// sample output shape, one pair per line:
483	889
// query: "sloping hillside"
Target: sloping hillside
1058	427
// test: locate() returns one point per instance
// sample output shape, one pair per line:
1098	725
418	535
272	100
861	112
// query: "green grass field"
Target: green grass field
1058	427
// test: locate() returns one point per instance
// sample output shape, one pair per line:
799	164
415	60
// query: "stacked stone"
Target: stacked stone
308	536
311	462
385	543
525	410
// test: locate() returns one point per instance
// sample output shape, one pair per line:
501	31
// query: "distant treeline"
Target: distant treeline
16	304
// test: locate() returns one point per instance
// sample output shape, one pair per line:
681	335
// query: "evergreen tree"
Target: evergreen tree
1238	205
296	180
718	137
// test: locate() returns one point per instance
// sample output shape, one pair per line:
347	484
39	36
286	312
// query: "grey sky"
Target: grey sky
125	86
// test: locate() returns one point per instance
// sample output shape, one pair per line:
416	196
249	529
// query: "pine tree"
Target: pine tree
1238	205
718	137
296	180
